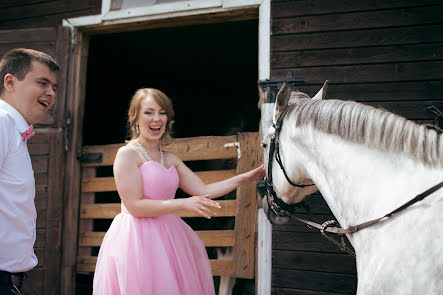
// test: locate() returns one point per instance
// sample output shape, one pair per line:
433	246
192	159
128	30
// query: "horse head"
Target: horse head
288	181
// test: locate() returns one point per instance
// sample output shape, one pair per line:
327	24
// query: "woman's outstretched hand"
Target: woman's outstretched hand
255	174
200	205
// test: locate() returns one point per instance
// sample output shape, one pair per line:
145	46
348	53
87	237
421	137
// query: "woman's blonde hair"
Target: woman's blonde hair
162	100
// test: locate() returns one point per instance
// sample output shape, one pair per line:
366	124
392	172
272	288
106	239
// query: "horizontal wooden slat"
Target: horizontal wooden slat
374	37
98	184
301	8
46	8
326	262
210	238
107	184
358	20
86	264
365	92
357	55
315	281
108	211
395	72
187	149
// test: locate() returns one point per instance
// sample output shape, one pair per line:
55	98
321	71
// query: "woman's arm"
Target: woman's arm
193	185
129	186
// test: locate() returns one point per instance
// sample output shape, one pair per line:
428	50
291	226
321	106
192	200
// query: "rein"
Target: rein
282	209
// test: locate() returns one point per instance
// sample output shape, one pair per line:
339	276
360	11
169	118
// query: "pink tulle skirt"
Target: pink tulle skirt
152	256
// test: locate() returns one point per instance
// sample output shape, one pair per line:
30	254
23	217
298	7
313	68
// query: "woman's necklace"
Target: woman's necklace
144	152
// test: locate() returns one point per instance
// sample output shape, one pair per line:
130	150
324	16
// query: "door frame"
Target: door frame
155	16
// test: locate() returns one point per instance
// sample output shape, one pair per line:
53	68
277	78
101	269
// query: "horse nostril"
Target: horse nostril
261	187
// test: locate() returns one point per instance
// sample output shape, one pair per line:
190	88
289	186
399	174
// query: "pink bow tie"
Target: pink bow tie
28	133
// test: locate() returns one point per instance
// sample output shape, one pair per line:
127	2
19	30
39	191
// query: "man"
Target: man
27	92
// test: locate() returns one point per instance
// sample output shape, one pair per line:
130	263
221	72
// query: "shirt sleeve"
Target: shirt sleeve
5	139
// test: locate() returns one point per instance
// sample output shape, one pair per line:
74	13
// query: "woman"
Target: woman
148	249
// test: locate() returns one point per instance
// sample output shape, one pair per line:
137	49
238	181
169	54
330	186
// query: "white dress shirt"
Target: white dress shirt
17	193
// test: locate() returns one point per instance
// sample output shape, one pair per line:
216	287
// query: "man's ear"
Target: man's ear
9	82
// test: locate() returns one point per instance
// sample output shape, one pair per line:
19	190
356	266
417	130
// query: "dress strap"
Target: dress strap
145	153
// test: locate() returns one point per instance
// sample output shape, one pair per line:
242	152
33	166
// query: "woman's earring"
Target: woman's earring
136	129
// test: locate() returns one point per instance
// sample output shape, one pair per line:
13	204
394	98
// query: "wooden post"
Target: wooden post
244	254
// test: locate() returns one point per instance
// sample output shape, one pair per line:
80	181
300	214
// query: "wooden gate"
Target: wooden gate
243	146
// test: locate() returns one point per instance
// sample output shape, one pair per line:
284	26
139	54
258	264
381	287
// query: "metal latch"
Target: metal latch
237	144
90	158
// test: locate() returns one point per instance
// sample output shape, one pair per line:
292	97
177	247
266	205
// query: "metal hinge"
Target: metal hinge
237	144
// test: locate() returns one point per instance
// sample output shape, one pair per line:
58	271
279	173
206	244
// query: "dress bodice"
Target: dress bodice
159	183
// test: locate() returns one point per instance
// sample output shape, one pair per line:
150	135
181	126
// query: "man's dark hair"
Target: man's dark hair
18	62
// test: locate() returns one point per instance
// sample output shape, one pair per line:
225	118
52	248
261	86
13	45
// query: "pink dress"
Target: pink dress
153	255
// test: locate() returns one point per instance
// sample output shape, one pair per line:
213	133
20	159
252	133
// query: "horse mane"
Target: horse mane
364	124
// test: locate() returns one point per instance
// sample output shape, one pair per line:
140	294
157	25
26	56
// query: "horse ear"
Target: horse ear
282	99
321	94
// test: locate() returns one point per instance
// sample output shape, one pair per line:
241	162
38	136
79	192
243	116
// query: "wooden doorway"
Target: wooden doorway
209	71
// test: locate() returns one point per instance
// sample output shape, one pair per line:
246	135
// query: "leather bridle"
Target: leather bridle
277	205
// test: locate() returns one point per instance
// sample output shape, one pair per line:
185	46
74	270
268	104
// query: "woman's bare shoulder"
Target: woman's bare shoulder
128	152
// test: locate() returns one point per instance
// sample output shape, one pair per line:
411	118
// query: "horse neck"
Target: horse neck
359	183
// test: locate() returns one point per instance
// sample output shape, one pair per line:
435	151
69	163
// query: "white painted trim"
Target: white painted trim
264	227
264	254
264	40
241	3
161	9
106	6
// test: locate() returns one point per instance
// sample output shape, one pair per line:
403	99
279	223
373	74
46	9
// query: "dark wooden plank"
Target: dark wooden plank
38	149
395	72
314	7
404	91
316	281
47	47
286	291
312	242
39	163
359	55
46	8
34	282
54	214
72	173
325	262
45	20
40	239
373	37
413	110
12	3
359	20
28	35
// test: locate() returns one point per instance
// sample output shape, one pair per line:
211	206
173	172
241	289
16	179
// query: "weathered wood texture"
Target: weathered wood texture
387	54
243	208
45	13
47	156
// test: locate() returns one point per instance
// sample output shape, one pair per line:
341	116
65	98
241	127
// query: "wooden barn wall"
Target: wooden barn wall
47	156
15	14
384	53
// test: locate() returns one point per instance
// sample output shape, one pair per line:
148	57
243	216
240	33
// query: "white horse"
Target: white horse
366	162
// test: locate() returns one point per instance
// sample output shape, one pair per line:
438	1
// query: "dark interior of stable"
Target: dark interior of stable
209	71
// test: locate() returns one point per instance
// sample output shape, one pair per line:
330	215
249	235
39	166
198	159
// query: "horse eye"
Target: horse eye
263	145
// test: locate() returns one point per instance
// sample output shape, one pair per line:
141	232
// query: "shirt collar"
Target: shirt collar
18	118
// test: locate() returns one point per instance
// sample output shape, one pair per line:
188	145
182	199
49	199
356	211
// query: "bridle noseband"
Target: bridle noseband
277	205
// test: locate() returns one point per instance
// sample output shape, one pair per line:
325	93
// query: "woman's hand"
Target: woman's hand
200	205
255	174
